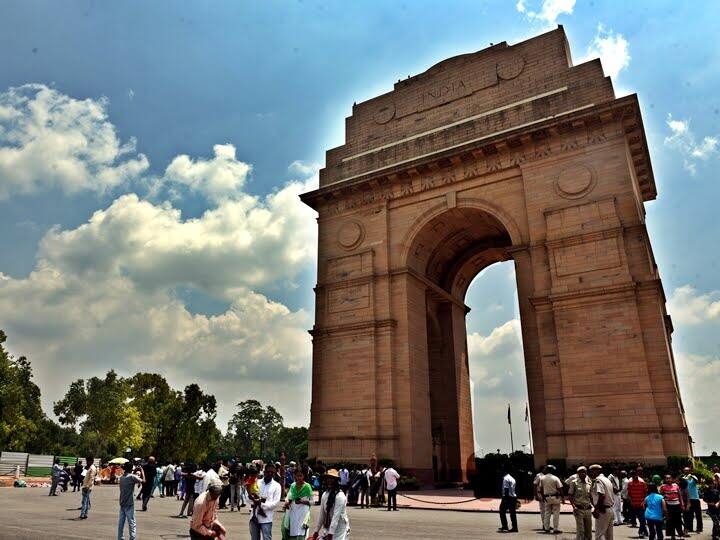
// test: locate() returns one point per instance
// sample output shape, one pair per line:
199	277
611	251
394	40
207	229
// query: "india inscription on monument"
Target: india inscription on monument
510	153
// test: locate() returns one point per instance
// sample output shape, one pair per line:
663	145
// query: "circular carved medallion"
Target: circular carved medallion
509	68
385	113
350	234
574	182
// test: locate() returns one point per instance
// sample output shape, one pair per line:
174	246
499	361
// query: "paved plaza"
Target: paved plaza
30	514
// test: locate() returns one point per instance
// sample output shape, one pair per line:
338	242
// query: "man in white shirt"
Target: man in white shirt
87	485
263	505
344	479
391	480
508	503
603	500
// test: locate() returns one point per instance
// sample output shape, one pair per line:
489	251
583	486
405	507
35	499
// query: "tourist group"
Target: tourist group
660	506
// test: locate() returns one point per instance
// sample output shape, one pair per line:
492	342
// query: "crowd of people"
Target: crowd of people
657	506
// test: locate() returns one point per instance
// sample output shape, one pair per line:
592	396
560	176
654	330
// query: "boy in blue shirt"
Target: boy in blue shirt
127	482
655	510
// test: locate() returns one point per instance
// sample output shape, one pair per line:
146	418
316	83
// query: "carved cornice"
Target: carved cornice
564	133
368	326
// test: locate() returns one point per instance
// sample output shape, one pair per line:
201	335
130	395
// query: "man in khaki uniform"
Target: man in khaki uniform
552	494
603	499
579	489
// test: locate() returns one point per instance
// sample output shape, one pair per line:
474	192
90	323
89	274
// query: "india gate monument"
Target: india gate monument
506	153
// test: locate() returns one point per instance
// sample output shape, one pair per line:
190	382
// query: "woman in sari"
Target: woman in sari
297	508
333	520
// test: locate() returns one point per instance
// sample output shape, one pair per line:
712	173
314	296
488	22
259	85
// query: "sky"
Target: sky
152	154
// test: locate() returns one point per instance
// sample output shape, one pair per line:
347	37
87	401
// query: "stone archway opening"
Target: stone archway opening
447	253
497	364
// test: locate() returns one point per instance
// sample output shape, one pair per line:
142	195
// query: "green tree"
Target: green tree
251	429
293	441
97	406
22	421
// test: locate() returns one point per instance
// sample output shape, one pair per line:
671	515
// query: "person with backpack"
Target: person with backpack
364	487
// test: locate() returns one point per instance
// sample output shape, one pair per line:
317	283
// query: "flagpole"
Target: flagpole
512	444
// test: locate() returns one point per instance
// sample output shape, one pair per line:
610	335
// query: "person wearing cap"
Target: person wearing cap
332	519
264	503
538	497
551	492
603	499
579	490
204	522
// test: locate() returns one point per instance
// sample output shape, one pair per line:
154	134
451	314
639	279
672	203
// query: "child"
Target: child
655	509
127	483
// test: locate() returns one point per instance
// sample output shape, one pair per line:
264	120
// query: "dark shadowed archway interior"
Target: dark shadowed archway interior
452	249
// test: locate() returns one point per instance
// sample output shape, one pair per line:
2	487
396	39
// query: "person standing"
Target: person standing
655	510
87	485
508	503
264	503
150	474
224	474
178	486
204	522
55	478
333	518
712	499
189	494
694	509
344	478
235	483
616	482
624	480
538	497
603	499
127	483
364	487
551	491
579	491
637	491
77	476
168	477
391	483
673	500
297	508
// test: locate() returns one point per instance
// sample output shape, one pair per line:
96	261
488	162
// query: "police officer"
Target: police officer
603	500
579	491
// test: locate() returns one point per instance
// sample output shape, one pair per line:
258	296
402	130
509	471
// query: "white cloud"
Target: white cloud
497	369
683	140
105	293
304	169
612	49
218	178
699	376
549	10
51	140
102	296
687	306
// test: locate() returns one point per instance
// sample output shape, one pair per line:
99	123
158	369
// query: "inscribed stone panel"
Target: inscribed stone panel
349	298
587	257
581	219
